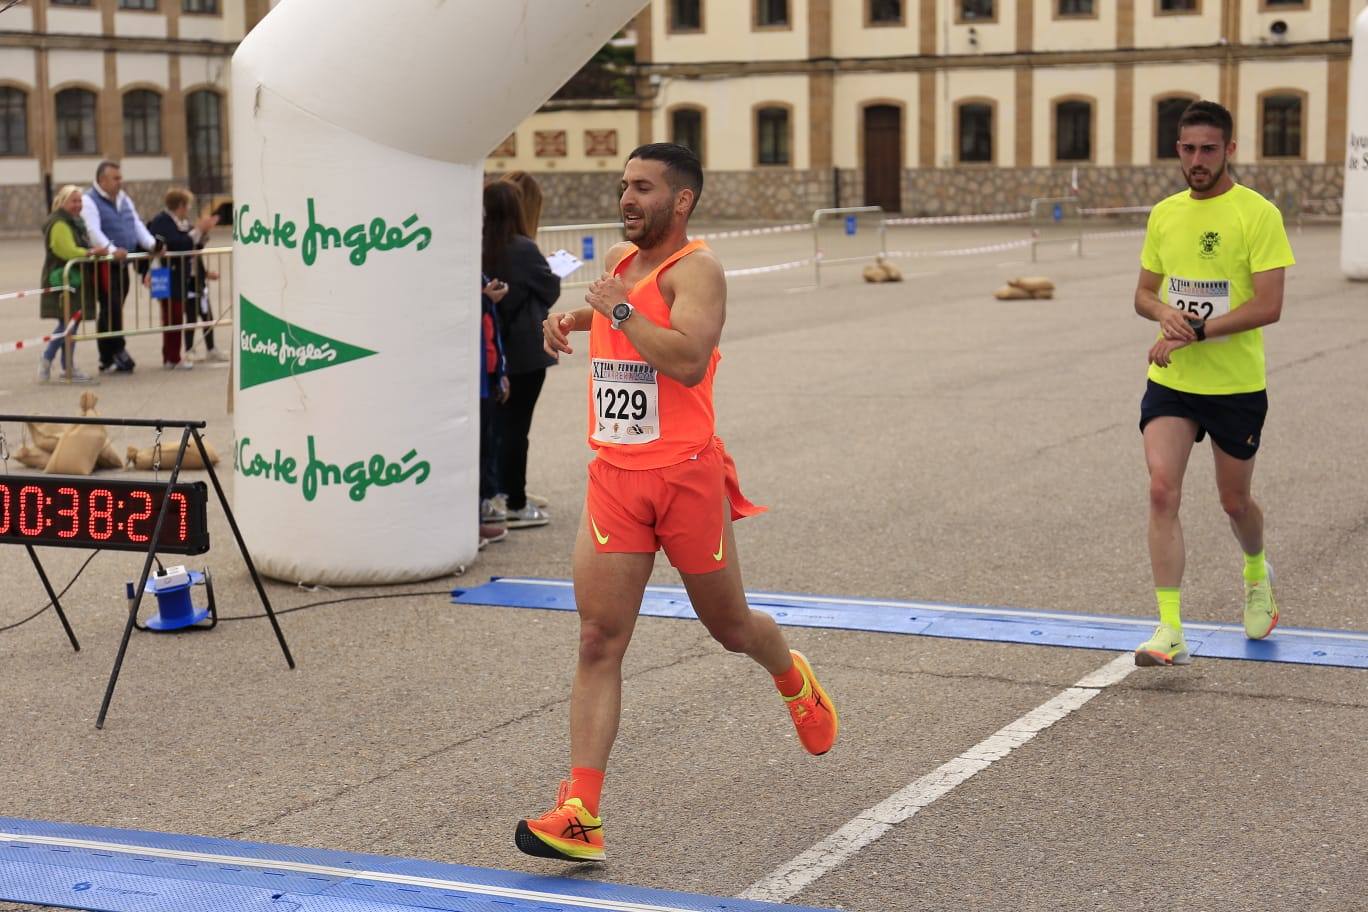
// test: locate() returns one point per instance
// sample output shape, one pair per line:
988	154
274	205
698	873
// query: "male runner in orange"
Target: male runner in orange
661	479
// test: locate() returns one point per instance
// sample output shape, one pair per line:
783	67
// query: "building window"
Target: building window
150	5
772	136
1178	6
975	133
976	10
1073	131
1275	5
549	143
204	142
885	12
771	13
200	6
142	123
76	122
70	2
1075	8
1166	114
1282	126
686	128
686	15
13	121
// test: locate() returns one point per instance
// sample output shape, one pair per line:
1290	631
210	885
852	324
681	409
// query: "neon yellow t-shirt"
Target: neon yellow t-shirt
1208	250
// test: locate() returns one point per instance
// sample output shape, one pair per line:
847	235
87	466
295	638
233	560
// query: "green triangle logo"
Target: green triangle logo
272	349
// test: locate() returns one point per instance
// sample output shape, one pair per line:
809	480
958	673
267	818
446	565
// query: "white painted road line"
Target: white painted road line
797	875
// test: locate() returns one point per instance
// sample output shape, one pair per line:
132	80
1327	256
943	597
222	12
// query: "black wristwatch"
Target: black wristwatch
1199	327
621	312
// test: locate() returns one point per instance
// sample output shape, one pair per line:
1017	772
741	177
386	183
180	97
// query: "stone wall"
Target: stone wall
24	207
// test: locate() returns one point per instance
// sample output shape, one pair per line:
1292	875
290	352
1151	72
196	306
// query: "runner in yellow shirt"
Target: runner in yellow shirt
1211	275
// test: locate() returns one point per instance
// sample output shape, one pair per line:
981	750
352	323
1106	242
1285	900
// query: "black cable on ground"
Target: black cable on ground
59	595
337	601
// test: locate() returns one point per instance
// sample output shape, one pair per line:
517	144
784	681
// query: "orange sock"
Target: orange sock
586	784
790	683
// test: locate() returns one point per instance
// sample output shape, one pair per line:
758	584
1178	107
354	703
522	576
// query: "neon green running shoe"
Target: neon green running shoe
1260	611
1166	647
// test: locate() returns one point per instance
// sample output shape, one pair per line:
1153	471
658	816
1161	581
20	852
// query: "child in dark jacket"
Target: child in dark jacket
493	388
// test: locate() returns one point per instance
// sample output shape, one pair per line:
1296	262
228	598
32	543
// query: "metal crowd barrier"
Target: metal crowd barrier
207	275
588	242
1056	220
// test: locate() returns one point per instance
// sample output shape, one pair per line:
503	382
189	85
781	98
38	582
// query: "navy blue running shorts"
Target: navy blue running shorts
1234	421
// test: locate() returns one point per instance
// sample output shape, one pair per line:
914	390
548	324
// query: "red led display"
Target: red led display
77	512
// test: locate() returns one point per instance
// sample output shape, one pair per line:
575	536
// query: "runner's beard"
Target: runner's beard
1205	185
655	224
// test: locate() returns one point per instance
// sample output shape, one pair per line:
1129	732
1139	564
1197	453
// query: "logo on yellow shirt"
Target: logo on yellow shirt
1208	243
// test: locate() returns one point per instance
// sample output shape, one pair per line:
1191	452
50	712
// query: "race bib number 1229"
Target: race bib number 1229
626	402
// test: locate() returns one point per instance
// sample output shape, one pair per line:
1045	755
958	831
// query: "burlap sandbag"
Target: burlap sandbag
893	272
875	273
109	457
77	450
142	459
1044	293
45	436
1011	293
32	457
1033	283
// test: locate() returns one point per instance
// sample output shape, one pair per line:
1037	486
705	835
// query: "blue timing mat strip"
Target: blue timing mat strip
1303	646
109	870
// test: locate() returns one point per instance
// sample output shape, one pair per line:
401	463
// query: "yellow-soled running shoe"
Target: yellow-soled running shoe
1166	647
814	715
568	832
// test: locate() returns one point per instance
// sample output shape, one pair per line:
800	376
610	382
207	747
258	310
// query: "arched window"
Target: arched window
13	121
772	139
76	123
686	128
975	131
1167	111
1073	130
1281	113
142	122
204	141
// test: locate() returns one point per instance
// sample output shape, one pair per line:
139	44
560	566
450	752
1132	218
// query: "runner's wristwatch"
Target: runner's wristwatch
1198	327
620	314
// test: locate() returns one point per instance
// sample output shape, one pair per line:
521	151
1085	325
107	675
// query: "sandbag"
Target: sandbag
1011	293
109	457
45	436
893	272
1043	294
1032	283
32	457
142	459
874	272
77	450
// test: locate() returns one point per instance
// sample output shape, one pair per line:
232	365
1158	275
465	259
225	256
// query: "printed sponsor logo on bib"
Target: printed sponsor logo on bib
1202	298
626	402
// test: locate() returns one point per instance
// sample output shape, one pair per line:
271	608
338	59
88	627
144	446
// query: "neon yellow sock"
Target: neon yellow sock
1256	568
1169	601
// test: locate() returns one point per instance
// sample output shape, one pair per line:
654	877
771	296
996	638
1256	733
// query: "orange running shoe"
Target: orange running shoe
814	715
568	832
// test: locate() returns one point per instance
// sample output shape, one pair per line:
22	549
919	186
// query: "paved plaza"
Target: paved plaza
913	441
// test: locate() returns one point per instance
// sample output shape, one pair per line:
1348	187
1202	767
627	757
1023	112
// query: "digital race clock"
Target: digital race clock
76	512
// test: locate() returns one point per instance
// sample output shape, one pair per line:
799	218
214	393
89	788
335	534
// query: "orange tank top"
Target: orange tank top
638	417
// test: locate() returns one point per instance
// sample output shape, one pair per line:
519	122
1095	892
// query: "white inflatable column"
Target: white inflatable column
1354	231
359	135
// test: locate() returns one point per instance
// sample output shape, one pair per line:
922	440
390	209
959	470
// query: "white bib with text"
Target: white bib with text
626	402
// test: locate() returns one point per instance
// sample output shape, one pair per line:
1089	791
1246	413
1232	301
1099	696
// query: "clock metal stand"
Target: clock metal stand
189	431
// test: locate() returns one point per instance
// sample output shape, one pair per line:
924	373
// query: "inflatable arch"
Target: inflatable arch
359	139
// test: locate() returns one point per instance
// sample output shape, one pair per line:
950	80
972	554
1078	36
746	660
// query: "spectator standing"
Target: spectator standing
509	254
175	233
112	221
493	392
65	239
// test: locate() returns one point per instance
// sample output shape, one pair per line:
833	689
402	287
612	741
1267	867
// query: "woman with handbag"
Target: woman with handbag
65	239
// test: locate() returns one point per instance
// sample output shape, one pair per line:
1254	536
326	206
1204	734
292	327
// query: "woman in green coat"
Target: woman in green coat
65	239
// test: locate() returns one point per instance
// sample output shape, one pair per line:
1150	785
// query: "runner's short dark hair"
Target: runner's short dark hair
1207	114
682	167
